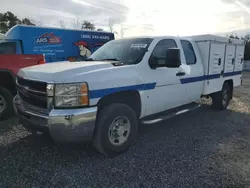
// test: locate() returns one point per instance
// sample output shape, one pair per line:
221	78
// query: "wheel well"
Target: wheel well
130	98
230	82
7	80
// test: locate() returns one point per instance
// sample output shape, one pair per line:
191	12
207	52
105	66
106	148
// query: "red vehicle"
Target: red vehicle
11	60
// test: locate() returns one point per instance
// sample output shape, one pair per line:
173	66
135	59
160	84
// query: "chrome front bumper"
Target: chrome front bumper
64	125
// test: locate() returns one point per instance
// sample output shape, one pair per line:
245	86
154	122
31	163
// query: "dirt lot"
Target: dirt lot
202	148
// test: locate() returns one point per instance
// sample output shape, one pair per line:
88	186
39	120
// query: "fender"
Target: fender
10	82
11	73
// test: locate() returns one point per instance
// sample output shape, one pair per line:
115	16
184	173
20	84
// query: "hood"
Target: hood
62	71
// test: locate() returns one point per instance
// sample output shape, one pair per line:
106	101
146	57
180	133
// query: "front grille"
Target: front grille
35	109
33	85
32	92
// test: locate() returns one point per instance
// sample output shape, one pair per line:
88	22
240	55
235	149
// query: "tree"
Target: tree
86	25
26	21
100	29
62	24
77	23
111	25
8	20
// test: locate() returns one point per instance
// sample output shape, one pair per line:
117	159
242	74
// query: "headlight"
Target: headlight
71	95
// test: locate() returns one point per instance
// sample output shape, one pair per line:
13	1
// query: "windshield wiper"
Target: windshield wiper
88	59
110	59
116	63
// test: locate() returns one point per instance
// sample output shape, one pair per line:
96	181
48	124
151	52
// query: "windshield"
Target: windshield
126	51
7	47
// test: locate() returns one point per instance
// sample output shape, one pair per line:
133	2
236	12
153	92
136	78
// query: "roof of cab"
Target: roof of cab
151	37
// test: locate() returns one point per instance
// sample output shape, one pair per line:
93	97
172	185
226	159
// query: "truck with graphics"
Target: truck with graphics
140	80
58	44
24	46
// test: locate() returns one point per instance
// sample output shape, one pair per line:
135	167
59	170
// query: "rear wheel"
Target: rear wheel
222	98
6	104
116	129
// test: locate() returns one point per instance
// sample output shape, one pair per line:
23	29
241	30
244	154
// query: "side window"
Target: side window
188	52
7	47
159	53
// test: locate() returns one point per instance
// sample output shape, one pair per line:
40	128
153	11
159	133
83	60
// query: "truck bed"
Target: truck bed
14	62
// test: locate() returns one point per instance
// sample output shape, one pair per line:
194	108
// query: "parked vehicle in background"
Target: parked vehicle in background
58	44
11	60
144	79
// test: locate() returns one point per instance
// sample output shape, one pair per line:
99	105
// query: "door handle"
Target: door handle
180	73
219	61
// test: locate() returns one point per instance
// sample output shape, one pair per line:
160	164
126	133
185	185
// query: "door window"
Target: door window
188	52
159	53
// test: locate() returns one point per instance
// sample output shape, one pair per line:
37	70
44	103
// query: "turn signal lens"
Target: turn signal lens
84	100
84	89
41	61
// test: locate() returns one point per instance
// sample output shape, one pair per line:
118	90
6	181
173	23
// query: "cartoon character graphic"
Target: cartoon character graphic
85	50
83	47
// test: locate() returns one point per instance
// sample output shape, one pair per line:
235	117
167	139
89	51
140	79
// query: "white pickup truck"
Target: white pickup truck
104	98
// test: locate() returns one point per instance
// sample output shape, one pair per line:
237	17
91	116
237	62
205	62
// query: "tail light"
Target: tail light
41	61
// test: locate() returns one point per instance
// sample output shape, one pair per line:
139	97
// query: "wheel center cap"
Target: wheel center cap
120	131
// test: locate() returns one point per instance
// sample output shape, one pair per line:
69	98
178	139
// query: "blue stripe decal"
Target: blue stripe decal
212	76
103	92
199	78
192	79
232	73
208	77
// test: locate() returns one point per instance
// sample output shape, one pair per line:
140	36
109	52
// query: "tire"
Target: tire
103	140
222	98
6	102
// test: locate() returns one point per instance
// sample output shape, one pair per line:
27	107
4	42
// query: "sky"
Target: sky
138	17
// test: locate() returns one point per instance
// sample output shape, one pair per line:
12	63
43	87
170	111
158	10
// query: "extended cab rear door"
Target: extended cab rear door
193	80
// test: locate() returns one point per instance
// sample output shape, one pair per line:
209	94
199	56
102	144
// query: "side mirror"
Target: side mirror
153	62
173	58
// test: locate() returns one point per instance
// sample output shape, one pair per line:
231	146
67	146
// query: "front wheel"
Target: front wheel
116	129
222	98
6	104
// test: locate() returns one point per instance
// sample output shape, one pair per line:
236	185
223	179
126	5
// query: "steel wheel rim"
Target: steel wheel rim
225	97
119	131
2	104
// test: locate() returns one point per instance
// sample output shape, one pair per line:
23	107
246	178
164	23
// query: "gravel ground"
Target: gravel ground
202	148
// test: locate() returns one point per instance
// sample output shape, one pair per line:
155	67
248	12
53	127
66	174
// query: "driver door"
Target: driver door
169	91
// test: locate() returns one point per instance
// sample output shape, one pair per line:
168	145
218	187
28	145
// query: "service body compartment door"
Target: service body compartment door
230	58
216	59
239	59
